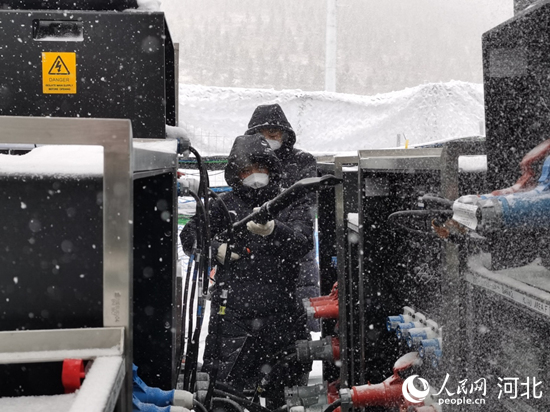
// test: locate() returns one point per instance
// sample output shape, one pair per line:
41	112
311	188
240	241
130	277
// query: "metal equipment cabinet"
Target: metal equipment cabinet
393	269
132	286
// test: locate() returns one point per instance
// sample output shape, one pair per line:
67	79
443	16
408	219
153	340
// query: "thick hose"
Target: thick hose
246	403
184	308
204	182
441	201
422	214
199	406
216	321
333	406
232	404
202	267
192	348
201	213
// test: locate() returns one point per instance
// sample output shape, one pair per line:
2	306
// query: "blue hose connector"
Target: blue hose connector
428	346
417	335
402	328
138	406
436	358
150	395
393	321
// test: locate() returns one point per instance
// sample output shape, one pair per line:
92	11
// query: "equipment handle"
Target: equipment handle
295	192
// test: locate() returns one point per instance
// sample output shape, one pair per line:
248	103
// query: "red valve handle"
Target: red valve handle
72	374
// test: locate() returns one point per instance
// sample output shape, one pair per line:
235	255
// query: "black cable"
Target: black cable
216	321
199	406
394	218
204	185
225	387
437	200
227	401
190	362
184	309
247	403
333	405
279	359
200	164
202	272
205	267
190	358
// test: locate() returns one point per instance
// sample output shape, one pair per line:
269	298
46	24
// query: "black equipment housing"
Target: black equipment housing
124	66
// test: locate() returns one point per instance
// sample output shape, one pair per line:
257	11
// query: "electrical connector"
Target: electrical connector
314	398
389	393
402	328
326	349
157	396
428	346
416	335
323	311
406	316
139	406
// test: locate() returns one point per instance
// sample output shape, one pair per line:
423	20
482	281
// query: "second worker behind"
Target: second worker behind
270	120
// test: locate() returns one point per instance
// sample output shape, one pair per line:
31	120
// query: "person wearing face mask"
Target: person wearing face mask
271	122
262	320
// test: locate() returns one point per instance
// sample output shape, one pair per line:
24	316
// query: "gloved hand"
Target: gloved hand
259	229
188	183
220	254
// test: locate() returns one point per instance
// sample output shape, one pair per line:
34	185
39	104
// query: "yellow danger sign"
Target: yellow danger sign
58	73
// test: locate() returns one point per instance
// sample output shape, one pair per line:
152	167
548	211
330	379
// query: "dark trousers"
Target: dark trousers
257	351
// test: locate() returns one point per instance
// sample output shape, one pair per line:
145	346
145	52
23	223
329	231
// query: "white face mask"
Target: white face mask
256	180
274	144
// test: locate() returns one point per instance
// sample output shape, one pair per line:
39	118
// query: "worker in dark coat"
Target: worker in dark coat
256	284
271	122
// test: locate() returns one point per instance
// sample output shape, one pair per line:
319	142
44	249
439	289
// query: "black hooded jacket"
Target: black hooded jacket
296	164
263	281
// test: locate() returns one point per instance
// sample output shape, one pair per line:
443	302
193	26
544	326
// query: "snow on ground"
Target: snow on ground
329	123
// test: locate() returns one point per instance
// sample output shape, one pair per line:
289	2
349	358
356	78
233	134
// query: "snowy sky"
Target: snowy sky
443	97
383	46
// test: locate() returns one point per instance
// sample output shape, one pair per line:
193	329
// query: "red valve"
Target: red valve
328	311
72	374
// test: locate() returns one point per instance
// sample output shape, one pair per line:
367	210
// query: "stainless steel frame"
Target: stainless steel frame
115	135
104	345
54	345
400	160
340	162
